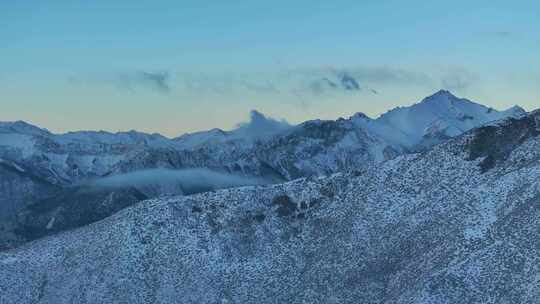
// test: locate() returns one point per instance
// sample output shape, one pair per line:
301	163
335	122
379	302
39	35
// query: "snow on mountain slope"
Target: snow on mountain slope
259	127
192	140
441	115
270	149
120	138
23	143
21	127
455	224
75	156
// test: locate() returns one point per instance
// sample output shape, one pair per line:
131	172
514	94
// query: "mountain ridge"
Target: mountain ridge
51	165
20	123
430	227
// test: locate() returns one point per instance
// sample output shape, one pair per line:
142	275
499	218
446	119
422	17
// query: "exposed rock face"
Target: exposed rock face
494	144
19	188
433	227
76	207
66	209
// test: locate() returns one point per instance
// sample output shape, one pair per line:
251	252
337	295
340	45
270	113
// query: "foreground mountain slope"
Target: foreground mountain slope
455	224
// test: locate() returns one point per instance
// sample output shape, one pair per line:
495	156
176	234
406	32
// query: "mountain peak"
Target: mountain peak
516	109
440	95
23	127
360	115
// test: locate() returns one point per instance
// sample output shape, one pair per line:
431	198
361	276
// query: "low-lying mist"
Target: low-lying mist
188	181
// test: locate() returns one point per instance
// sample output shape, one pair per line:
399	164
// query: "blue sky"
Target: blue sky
178	66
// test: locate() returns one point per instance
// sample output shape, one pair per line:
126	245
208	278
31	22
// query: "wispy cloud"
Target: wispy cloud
389	75
458	79
302	83
157	81
366	79
261	125
190	180
503	34
334	82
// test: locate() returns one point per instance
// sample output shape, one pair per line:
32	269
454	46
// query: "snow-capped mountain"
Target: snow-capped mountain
457	223
436	118
46	164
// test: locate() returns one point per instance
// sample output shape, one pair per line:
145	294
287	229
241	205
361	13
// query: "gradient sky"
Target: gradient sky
179	66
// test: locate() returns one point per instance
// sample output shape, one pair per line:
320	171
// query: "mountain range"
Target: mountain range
449	215
43	173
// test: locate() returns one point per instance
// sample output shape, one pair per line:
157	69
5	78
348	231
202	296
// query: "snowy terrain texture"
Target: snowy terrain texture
456	223
55	182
